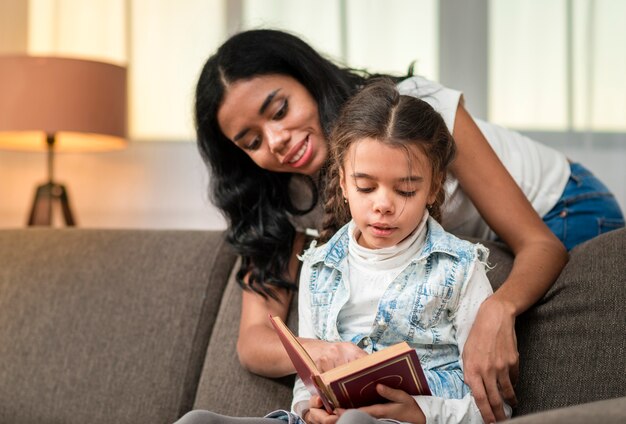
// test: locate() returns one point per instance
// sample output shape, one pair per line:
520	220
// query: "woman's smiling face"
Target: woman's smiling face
275	120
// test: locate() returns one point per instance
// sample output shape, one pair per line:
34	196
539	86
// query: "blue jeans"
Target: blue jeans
586	209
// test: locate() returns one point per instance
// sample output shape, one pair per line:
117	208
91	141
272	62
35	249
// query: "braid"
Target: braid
336	212
435	209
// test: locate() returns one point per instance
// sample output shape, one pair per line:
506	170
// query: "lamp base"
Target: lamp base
48	197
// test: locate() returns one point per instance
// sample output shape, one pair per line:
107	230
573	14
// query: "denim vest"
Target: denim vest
416	307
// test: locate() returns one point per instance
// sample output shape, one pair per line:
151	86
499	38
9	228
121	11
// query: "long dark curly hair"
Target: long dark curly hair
379	112
255	201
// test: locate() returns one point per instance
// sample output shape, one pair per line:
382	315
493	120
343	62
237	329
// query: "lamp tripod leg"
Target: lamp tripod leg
65	205
41	211
47	197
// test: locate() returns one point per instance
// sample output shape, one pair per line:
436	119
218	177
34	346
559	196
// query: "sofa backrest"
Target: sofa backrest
105	326
572	343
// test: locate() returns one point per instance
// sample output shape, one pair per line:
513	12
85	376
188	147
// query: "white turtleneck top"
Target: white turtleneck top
370	273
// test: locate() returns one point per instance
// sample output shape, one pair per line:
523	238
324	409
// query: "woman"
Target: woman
265	104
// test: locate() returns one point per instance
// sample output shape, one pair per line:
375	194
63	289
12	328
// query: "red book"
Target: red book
353	385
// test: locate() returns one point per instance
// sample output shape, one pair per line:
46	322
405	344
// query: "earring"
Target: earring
429	206
345	200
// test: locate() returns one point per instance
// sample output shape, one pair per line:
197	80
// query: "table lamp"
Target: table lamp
56	104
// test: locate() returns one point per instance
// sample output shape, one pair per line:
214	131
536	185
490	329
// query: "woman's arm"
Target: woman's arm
259	348
490	357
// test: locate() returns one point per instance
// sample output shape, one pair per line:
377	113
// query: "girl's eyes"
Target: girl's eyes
400	192
406	193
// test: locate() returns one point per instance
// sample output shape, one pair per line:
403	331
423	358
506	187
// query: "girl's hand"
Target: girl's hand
402	406
317	414
328	355
491	359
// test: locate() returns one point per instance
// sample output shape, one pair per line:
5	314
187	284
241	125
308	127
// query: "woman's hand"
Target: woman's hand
316	414
328	355
491	359
401	406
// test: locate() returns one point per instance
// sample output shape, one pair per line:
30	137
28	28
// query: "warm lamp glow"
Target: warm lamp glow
58	104
64	141
81	102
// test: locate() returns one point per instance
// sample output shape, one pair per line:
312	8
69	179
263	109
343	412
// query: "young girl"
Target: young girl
392	273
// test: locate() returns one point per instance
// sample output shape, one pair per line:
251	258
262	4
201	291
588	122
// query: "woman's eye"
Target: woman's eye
364	189
253	144
282	111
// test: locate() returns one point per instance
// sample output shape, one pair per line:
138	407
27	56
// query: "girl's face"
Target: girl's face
387	191
275	120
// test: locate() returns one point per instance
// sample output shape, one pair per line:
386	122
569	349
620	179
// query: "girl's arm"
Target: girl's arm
327	357
259	348
490	355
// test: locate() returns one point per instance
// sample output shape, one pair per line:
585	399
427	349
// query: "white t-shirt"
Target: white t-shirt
540	171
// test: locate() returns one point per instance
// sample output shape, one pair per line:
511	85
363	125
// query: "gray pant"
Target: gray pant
351	416
199	416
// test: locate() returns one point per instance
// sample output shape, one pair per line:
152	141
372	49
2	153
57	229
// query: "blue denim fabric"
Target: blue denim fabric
285	416
585	210
416	307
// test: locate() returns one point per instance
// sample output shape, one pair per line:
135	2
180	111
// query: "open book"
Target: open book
353	384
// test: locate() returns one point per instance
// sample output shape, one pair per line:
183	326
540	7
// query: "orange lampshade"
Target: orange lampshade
81	102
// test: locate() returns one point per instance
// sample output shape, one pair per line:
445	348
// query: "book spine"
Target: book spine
325	393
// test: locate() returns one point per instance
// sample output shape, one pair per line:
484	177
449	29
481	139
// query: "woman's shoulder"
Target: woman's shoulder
419	86
443	99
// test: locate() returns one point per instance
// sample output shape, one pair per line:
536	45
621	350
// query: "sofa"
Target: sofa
140	326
